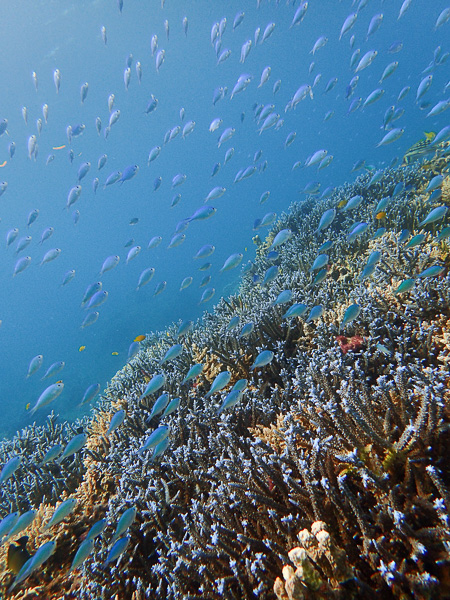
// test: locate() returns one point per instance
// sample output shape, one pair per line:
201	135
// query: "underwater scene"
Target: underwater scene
225	303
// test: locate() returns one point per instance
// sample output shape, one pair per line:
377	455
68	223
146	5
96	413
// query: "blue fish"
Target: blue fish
230	400
84	549
119	548
128	173
52	453
234	322
184	328
125	521
264	358
90	393
404	235
155	384
270	275
159	406
172	407
74	446
10	468
283	297
116	420
296	310
158	435
315	313
433	271
219	383
357	230
350	314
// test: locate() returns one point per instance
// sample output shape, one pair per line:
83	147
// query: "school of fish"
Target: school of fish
271	104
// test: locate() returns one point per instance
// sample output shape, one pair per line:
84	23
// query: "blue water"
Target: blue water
41	317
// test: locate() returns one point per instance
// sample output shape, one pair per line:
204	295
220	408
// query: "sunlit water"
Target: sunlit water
41	317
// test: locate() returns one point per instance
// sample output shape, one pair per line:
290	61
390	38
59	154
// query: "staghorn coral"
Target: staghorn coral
356	441
35	483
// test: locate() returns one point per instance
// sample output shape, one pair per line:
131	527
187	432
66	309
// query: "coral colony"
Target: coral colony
291	445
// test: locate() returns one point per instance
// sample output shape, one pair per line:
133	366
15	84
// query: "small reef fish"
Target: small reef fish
315	313
133	350
172	407
117	550
7	523
47	396
231	399
282	237
320	276
436	214
207	295
90	393
22	523
405	286
219	383
232	262
155	384
18	555
96	529
74	445
357	230
172	353
159	406
84	550
155	438
264	358
125	521
320	262
420	149
63	510
35	364
90	319
350	314
42	554
283	297
193	372
10	468
116	420
416	240
145	277
52	453
296	310
246	330
433	271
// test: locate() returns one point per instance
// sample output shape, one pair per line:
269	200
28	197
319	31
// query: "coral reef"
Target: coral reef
341	437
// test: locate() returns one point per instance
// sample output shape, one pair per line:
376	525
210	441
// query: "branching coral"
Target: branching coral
347	447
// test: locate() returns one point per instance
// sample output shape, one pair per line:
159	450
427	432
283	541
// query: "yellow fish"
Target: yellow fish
81	348
139	338
18	554
115	353
342	203
59	147
420	149
3	163
27	407
380	215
